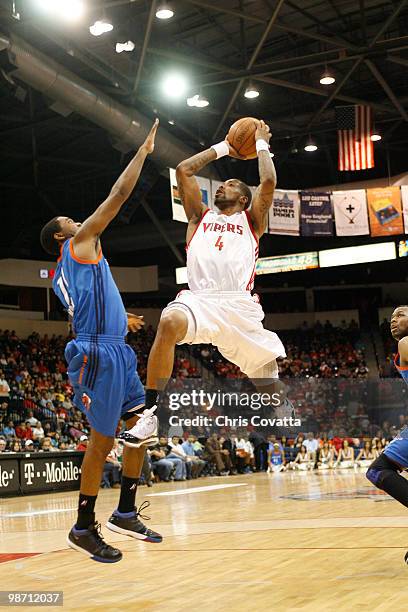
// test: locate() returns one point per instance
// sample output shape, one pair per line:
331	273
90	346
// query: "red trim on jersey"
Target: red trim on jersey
198	225
83	261
399	368
251	226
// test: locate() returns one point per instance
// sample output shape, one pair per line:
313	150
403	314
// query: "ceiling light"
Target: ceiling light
126	46
375	136
197	101
70	10
100	27
164	11
310	145
174	85
251	92
327	78
172	122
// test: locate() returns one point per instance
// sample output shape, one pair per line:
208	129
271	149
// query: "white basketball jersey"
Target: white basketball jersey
222	253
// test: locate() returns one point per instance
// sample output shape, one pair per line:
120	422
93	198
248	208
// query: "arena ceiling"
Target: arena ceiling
54	161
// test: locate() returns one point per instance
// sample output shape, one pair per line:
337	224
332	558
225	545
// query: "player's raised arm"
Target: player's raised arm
188	188
263	197
120	192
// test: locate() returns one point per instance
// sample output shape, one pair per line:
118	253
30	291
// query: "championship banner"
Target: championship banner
350	212
384	205
284	213
404	198
316	218
177	206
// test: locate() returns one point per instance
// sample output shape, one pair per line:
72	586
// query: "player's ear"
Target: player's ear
59	236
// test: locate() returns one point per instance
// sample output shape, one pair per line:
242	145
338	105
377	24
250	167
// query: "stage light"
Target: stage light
310	145
251	92
174	85
71	10
100	27
375	136
164	11
327	78
197	101
126	46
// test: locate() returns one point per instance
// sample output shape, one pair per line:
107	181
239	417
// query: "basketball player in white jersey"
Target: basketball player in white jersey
218	308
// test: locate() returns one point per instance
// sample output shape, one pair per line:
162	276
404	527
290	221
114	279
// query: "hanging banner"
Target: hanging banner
350	212
316	218
284	213
177	206
384	205
404	198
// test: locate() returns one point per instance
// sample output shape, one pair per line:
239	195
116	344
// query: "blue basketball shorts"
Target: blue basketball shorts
103	374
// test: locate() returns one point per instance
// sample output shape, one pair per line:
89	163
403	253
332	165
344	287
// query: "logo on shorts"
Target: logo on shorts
86	400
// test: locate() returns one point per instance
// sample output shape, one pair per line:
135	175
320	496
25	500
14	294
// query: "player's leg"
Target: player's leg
125	519
173	327
384	474
85	536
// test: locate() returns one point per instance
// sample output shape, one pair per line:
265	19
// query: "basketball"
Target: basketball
241	136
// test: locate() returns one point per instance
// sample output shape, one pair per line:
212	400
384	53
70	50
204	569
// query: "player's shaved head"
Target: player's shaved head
399	322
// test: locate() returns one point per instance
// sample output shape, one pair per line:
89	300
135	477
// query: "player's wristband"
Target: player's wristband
261	145
221	149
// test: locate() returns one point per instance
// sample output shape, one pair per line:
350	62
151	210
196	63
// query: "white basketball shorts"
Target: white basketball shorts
231	321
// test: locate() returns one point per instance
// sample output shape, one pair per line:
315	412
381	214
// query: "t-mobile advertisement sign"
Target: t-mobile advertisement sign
50	472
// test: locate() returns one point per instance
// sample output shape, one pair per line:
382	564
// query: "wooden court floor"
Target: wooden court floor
294	541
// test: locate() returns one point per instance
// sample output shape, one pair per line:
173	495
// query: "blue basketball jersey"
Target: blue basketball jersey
89	294
401	369
397	449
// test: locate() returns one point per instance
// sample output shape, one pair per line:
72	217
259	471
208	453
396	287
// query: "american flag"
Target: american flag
356	150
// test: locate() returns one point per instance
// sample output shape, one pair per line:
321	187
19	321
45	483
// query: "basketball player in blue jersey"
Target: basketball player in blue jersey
101	367
384	472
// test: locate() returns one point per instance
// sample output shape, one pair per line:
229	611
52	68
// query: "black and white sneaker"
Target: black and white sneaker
144	433
90	542
133	526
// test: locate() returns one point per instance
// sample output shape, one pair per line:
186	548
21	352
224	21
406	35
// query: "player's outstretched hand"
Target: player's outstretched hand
149	142
135	322
263	131
232	151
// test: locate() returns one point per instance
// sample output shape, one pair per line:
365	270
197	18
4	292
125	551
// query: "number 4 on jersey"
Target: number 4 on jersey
219	243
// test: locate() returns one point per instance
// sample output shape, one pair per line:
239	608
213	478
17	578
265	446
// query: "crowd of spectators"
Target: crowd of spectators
320	351
37	413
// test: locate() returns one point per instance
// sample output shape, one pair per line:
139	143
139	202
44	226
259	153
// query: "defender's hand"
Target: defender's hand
148	144
263	132
135	322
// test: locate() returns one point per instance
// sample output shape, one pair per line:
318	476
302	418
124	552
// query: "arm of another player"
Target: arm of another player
86	237
135	322
263	197
403	351
189	190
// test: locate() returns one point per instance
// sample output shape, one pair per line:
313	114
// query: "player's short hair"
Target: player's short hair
48	242
245	191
